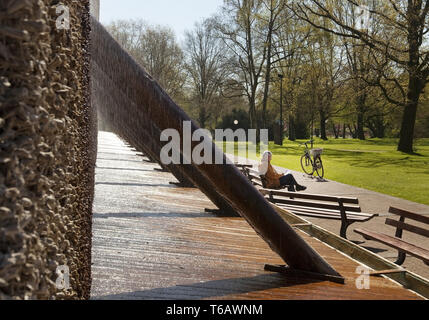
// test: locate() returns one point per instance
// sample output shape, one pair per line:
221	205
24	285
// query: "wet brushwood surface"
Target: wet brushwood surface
47	150
153	240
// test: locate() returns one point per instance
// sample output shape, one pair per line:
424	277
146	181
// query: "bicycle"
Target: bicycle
310	165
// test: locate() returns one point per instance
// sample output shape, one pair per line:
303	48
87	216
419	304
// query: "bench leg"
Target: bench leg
401	259
344	221
344	227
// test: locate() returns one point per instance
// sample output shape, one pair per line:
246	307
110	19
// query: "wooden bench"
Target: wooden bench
320	206
251	174
243	166
396	242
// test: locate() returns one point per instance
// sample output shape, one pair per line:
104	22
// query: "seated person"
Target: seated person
276	180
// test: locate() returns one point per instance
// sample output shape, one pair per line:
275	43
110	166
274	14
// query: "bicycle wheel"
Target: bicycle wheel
318	164
307	165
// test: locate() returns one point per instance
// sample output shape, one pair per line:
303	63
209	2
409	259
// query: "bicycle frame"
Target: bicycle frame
311	161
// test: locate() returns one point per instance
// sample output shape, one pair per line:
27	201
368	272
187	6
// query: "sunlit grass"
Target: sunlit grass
373	164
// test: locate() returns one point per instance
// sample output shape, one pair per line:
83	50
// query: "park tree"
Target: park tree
274	13
396	30
379	116
128	33
156	49
324	76
237	26
163	58
207	68
289	58
422	126
359	73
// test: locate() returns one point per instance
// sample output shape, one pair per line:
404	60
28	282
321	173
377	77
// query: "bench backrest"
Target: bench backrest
252	175
243	166
401	225
312	200
307	196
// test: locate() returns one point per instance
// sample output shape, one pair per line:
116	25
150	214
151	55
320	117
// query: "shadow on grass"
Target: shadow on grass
415	154
355	158
371	160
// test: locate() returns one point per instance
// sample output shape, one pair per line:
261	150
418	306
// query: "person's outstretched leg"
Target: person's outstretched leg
285	181
289	180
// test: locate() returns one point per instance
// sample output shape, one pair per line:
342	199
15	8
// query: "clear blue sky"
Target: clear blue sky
180	15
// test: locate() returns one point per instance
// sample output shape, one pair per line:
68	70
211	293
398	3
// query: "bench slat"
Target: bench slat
409	215
328	216
241	165
350	217
408	227
255	177
316	205
396	243
252	171
328	211
323	216
310	212
308	196
315	215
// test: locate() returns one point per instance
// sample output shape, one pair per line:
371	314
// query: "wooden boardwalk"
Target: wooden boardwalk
153	240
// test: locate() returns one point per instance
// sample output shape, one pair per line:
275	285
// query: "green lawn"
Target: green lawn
373	164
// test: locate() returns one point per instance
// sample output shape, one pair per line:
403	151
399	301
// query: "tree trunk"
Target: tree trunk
323	119
377	127
267	78
254	124
352	132
360	126
252	111
409	118
416	82
373	128
336	132
381	127
292	132
407	130
361	110
202	117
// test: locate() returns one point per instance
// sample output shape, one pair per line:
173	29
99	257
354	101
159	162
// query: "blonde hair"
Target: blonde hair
266	155
263	166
